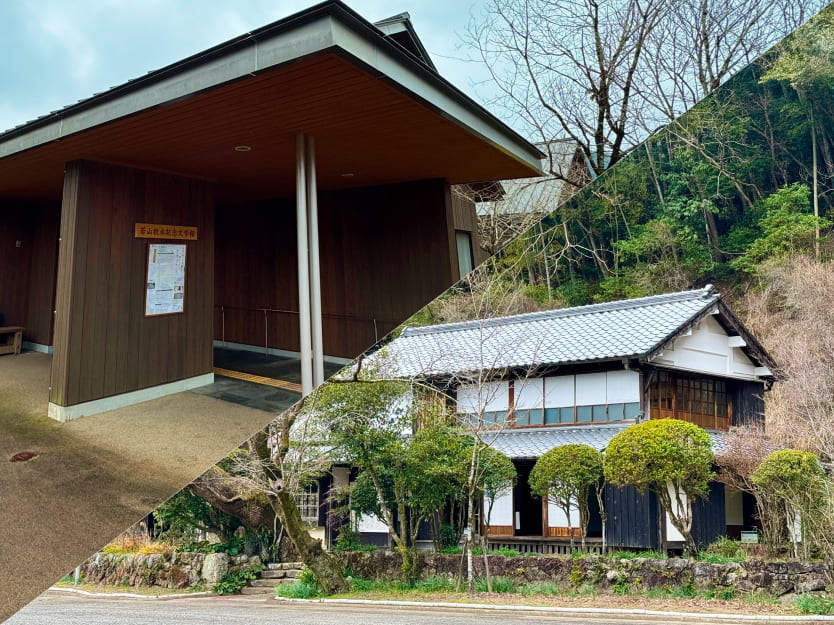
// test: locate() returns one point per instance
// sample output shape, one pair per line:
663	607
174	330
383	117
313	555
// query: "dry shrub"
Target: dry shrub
745	447
792	313
137	540
483	294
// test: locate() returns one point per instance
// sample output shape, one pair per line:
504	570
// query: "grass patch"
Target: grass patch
631	555
722	551
500	584
504	551
759	597
812	604
299	590
547	589
233	581
435	583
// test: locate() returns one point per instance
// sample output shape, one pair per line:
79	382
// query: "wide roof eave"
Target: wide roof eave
328	26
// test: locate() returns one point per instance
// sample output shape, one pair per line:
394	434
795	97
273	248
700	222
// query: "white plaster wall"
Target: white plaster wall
591	389
556	516
734	507
707	350
672	533
368	523
529	393
559	391
502	509
622	387
488	397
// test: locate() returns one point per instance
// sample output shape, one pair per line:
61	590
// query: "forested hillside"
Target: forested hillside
736	192
726	186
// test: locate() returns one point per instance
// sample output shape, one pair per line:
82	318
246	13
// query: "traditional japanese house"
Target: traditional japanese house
581	375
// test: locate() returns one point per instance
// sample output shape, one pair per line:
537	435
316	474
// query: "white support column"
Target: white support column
303	267
315	269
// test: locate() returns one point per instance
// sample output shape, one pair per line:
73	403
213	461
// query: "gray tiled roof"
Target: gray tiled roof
531	443
624	329
536	195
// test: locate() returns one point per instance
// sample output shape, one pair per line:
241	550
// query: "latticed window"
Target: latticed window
700	400
308	504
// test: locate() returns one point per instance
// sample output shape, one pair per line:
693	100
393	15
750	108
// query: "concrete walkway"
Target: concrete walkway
93	477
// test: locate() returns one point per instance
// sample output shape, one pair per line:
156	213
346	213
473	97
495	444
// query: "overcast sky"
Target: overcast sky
55	52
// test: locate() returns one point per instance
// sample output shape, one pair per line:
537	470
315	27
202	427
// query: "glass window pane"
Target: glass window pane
464	242
615	412
551	415
632	410
500	417
583	414
520	417
600	413
536	417
567	415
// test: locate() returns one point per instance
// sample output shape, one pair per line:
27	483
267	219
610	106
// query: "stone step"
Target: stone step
273	574
283	566
248	590
263	583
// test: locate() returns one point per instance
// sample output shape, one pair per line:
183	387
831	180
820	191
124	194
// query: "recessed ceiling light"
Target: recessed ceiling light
243	148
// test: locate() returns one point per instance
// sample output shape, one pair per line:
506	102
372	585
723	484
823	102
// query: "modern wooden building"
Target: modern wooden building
536	381
287	190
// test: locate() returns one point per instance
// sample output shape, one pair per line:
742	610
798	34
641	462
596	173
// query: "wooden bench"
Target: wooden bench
11	338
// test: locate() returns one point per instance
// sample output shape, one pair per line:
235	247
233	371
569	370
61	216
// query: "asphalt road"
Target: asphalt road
55	608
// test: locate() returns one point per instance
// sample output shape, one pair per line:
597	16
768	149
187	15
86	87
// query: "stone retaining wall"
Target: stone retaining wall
177	570
182	570
777	578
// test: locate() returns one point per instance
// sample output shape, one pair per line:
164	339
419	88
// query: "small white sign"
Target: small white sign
165	281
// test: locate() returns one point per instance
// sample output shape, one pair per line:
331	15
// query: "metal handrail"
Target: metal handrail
266	312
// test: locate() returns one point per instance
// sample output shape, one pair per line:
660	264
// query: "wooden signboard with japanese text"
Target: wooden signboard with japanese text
163	231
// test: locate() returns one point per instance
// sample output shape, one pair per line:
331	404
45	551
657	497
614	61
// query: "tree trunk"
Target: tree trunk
603	517
327	571
816	186
486	564
253	513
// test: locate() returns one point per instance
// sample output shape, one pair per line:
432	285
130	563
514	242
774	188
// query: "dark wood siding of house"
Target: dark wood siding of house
709	518
465	218
104	345
27	273
384	254
632	518
44	267
14	264
748	402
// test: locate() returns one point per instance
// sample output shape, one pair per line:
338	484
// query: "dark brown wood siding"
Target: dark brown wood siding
385	252
709	516
43	270
633	519
465	218
28	262
14	264
748	402
104	345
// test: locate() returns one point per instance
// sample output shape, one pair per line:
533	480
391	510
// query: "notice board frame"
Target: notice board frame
147	278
